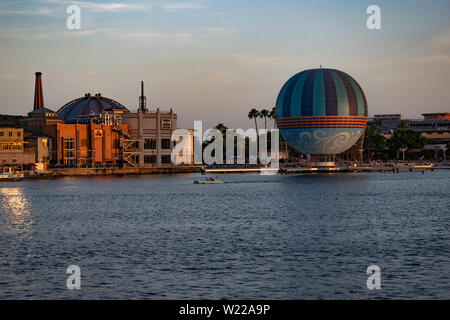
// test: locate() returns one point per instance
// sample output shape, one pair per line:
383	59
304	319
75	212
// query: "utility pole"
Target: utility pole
403	150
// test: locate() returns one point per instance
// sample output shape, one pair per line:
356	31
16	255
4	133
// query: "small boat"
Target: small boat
11	176
209	181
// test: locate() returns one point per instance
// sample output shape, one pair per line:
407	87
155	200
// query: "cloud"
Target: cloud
436	58
40	11
399	76
152	36
174	6
110	7
8	76
255	59
32	34
216	31
131	5
441	42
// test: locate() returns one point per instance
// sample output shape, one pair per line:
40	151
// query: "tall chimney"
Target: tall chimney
142	99
38	93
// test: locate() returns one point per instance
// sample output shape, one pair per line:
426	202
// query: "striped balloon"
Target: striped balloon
321	111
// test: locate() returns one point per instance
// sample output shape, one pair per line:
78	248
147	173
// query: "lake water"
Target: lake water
254	237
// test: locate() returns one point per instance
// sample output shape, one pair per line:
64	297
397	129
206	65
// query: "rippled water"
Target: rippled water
254	237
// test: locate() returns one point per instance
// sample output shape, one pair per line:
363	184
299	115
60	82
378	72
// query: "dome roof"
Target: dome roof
88	105
321	92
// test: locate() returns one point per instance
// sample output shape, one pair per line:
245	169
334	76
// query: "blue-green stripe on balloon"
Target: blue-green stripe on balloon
296	100
280	100
358	93
288	95
342	99
319	95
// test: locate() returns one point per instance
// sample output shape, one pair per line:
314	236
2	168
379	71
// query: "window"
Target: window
149	159
69	143
165	159
2	134
150	144
165	143
166	123
10	133
69	154
69	151
19	134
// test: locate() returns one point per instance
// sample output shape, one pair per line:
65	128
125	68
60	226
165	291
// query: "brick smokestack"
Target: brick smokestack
38	93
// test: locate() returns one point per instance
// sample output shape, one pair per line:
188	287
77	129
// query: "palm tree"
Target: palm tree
272	116
264	114
254	114
222	128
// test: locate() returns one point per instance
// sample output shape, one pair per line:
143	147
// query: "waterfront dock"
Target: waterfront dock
330	169
90	172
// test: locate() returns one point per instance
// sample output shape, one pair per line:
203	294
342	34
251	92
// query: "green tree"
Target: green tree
374	141
222	128
254	114
405	137
264	114
272	116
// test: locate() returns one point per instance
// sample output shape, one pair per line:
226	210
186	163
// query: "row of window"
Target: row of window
11	146
150	144
10	133
152	159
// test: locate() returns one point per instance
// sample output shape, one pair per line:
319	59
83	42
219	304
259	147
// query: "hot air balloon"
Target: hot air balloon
321	112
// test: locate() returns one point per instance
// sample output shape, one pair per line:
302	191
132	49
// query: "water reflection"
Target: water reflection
15	213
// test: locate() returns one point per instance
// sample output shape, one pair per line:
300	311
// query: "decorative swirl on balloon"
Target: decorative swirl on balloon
321	141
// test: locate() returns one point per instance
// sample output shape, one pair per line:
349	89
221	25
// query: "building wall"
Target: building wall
11	139
153	131
83	144
12	150
43	146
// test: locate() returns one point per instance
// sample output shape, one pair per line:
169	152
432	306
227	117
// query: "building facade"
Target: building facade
86	145
151	132
12	150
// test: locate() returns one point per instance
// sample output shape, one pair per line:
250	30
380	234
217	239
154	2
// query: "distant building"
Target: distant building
98	131
12	150
381	117
80	145
437	116
43	147
432	122
151	134
10	121
434	126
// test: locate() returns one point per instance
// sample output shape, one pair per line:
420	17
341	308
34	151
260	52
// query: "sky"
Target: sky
215	60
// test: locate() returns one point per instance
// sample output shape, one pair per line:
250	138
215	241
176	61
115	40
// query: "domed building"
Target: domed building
82	109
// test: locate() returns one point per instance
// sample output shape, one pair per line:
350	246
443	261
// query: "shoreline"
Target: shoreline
120	172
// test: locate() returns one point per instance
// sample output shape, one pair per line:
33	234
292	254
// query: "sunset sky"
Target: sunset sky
213	60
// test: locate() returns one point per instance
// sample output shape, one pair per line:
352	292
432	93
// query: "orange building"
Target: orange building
86	144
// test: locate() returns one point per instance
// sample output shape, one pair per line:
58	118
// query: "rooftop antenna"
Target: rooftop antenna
142	100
